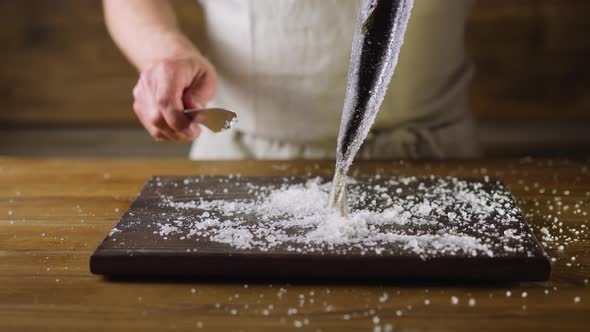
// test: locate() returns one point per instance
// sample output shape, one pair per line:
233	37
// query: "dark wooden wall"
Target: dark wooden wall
532	59
58	66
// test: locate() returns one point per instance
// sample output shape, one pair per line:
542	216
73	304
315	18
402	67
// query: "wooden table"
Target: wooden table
53	212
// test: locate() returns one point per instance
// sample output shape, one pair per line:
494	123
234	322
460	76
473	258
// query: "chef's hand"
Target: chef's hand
167	88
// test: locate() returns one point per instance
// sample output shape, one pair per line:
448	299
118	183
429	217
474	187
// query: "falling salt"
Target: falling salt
379	40
577	299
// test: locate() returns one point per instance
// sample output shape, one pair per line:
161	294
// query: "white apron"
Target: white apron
282	66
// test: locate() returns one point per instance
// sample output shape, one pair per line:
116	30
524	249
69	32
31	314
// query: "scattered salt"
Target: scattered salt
454	300
293	216
577	299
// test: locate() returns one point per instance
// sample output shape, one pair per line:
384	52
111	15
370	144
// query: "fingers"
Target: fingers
153	120
167	89
158	100
202	89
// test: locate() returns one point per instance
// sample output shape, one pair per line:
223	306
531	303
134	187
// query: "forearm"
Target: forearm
146	31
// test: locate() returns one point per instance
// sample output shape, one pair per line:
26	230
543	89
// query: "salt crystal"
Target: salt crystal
508	293
454	300
383	298
301	207
297	323
471	302
376	320
524	294
577	299
426	302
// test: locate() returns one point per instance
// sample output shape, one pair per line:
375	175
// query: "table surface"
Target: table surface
54	212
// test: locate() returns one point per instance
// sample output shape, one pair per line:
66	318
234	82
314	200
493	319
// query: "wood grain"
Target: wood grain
53	212
59	67
530	59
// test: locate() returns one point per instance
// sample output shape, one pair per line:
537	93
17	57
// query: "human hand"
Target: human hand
166	89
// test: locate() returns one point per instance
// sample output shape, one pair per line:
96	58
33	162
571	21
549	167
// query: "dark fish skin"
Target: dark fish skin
377	54
375	51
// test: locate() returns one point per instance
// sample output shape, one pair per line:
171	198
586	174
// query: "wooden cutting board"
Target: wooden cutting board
139	245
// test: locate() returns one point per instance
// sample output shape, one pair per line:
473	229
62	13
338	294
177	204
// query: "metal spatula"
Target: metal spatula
216	119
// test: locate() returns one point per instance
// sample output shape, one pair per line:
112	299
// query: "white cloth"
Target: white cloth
282	66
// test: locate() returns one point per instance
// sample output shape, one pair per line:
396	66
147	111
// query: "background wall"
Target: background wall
66	89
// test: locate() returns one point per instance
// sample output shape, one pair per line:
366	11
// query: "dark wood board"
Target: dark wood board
134	248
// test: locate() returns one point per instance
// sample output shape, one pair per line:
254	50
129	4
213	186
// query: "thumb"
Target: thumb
200	92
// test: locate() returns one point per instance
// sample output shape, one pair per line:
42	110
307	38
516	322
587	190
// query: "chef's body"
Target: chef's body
282	66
